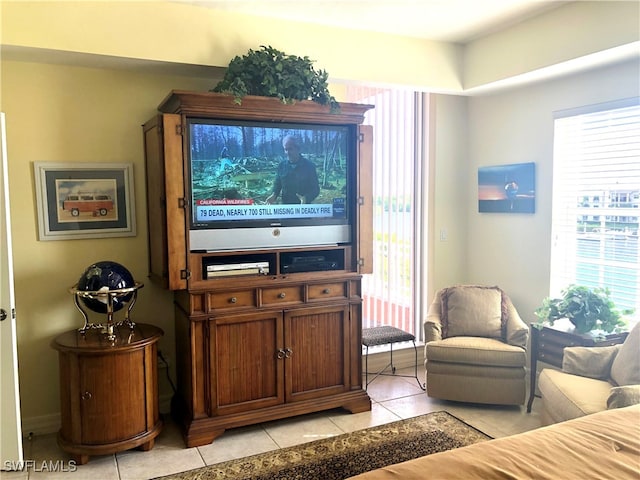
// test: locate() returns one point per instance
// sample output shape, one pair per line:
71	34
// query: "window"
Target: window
389	294
596	200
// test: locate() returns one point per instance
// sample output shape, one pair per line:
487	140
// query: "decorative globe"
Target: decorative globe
104	276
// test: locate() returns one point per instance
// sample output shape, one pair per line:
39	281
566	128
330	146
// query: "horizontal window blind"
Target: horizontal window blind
596	203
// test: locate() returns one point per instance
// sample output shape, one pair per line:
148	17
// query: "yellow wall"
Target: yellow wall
58	113
576	30
178	33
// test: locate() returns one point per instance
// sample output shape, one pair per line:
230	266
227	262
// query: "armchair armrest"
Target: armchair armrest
517	330
592	362
433	325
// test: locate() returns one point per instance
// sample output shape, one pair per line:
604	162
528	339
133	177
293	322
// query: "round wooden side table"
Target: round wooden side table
108	390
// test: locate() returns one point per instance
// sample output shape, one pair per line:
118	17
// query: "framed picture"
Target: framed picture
84	200
507	188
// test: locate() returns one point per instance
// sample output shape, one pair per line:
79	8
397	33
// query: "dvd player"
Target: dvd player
244	268
310	266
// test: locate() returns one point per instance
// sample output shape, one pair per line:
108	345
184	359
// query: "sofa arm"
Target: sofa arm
592	362
517	330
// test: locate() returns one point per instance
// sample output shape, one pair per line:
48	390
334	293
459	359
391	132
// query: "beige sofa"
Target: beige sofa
592	379
603	445
475	346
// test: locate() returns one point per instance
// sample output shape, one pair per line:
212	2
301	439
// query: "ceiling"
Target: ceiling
456	21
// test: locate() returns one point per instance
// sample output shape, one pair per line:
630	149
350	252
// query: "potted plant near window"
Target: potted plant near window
268	72
586	308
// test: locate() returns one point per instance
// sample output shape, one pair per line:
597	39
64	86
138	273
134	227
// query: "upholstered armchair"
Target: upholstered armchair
475	347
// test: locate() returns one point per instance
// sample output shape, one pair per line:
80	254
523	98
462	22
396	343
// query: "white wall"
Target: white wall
513	250
448	262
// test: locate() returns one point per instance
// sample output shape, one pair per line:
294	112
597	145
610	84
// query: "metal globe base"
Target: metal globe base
121	296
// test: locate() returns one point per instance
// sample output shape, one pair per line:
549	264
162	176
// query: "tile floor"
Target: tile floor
392	399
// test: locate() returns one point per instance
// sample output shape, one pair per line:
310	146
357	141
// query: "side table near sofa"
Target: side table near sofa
548	343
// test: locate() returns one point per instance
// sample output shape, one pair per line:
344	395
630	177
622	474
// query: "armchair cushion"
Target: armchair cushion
471	310
625	369
476	351
592	362
623	396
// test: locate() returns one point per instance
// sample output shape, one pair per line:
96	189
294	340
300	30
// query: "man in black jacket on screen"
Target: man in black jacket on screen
296	179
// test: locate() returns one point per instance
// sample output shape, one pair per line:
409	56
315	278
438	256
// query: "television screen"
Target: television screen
258	184
247	174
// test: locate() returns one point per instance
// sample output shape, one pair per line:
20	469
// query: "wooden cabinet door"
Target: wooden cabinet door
364	225
246	362
165	201
317	344
112	397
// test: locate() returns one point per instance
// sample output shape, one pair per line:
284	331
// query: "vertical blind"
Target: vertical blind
388	293
596	201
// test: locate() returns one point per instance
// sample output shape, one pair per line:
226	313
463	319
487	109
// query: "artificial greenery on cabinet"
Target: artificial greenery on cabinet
269	72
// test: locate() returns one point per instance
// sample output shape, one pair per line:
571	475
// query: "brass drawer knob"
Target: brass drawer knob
326	291
233	300
87	396
282	295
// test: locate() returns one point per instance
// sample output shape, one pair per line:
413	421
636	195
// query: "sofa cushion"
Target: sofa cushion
623	396
593	362
625	369
475	351
473	310
569	396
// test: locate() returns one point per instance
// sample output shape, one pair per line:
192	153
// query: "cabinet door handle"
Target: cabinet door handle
87	396
326	291
282	295
233	300
284	353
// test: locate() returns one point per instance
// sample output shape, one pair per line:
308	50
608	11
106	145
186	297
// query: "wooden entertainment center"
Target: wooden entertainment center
256	347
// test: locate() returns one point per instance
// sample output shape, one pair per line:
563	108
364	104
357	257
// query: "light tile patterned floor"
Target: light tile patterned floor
392	399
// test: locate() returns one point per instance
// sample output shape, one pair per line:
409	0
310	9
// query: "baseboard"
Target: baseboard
402	358
44	425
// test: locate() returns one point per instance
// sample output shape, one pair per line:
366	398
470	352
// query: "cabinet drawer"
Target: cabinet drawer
232	299
282	295
553	338
323	291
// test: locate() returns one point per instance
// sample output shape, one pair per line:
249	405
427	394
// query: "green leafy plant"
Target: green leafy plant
269	72
587	308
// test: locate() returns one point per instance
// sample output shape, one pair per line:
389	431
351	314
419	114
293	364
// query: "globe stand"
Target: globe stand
108	297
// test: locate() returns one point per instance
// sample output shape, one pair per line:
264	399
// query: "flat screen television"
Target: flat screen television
258	184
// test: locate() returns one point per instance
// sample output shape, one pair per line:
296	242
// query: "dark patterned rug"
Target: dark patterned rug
343	456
